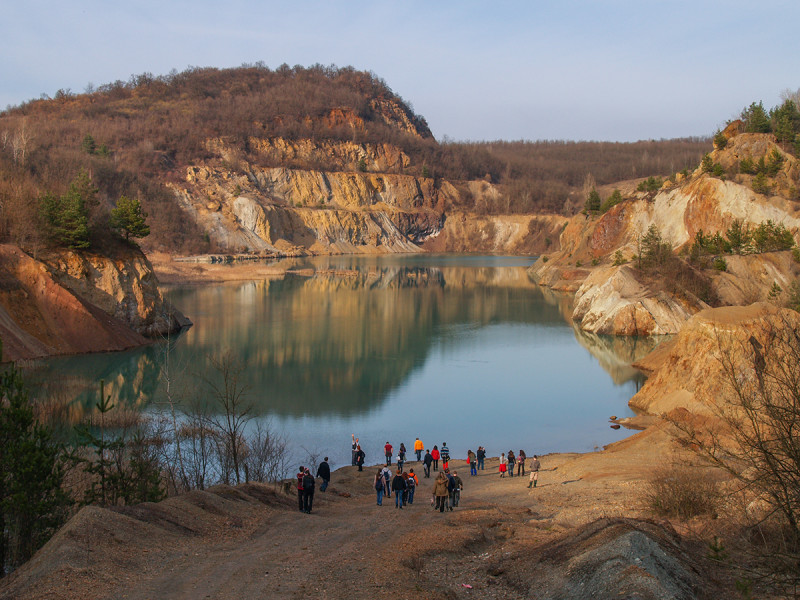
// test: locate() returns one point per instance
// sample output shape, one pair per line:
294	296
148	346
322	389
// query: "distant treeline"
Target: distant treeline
132	137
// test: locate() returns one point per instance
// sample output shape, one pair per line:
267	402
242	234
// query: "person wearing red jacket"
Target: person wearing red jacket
435	456
388	451
299	476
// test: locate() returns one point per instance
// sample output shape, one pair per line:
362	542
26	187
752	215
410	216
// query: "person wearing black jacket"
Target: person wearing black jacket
324	473
427	462
360	456
481	455
308	491
398	486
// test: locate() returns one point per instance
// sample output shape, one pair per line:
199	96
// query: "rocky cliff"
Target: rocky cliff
73	302
687	371
615	299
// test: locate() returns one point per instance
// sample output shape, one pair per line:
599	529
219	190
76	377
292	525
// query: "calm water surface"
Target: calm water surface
462	349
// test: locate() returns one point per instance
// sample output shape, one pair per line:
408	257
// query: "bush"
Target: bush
651	184
720	140
747	166
720	264
682	491
614	199
619	259
760	185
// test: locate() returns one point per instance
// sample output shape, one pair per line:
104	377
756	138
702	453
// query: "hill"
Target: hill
144	137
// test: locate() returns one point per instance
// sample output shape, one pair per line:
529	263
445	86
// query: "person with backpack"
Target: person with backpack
435	455
440	492
378	484
387	450
418	448
473	463
324	473
481	456
426	463
308	491
299	477
451	489
445	451
459	487
360	458
412	482
387	480
398	487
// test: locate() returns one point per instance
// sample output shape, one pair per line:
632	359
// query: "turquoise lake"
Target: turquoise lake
458	349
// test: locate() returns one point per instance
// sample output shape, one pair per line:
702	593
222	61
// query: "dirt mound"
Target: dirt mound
616	558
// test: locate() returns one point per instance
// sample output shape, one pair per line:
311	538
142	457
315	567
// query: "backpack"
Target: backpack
308	483
411	482
451	484
386	476
379	484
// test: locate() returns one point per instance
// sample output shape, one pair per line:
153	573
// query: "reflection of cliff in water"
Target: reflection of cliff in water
333	338
616	354
340	342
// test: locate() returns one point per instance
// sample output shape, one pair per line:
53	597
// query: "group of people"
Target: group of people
306	484
446	489
402	484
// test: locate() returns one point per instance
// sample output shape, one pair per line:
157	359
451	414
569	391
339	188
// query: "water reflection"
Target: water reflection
341	343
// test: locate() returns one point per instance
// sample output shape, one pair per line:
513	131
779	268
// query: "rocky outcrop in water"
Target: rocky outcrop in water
75	302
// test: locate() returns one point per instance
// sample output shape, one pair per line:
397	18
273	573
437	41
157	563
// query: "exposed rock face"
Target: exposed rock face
612	301
505	234
76	303
687	372
268	210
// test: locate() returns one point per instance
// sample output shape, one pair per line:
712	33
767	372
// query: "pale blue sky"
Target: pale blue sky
535	69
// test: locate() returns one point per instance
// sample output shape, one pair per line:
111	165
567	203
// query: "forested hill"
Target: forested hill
133	138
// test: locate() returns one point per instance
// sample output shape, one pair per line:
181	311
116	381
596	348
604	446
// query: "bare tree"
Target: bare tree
19	143
229	394
266	456
756	438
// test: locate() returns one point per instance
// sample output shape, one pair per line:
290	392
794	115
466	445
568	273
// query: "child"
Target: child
503	465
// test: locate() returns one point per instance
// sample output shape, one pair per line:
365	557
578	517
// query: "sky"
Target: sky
614	70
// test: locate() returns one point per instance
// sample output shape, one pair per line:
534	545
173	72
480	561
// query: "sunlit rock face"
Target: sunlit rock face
75	302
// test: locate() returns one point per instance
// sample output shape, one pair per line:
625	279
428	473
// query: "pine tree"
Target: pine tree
32	503
128	218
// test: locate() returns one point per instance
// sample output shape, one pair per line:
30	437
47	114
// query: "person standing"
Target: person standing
360	457
481	456
299	476
387	481
459	487
324	473
511	461
503	465
535	466
387	450
440	492
308	491
426	463
401	457
398	487
378	484
473	463
412	482
521	463
418	448
355	448
445	451
435	456
451	489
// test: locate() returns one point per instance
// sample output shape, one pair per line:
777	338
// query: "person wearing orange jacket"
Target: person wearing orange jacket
418	448
412	482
